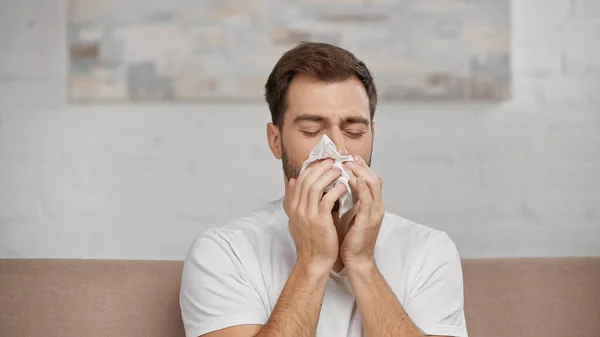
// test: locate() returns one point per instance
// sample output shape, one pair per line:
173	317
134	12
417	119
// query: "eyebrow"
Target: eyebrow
321	119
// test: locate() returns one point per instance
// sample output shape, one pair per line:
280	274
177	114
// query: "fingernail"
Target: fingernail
358	158
349	163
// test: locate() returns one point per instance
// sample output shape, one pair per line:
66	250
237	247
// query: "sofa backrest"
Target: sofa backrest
532	297
52	298
503	298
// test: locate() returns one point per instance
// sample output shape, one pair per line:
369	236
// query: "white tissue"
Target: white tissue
327	149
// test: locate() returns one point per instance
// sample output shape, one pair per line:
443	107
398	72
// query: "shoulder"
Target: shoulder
410	237
413	245
430	284
413	253
240	235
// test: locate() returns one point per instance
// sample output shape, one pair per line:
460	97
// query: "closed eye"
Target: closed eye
311	134
355	135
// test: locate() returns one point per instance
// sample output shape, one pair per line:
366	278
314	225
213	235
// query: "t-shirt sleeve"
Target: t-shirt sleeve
216	291
436	300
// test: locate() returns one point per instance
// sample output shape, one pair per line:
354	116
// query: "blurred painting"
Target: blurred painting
201	50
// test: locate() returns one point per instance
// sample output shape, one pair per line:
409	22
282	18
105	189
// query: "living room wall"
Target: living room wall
510	179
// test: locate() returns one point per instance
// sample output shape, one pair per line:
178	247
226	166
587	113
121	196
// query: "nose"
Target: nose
338	139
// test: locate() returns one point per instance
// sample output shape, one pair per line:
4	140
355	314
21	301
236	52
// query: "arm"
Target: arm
434	308
437	304
380	310
214	306
296	312
311	225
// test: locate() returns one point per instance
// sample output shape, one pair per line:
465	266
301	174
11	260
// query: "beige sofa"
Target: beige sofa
503	298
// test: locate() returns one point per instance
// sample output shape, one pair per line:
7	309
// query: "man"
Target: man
295	267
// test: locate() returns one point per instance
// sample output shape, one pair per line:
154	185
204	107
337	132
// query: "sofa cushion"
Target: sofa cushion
533	297
55	298
503	298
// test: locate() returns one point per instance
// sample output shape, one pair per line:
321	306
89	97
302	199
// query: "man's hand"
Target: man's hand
358	247
311	223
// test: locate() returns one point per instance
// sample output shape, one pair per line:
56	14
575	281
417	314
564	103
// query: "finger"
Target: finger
364	171
364	196
353	182
353	179
360	161
289	191
298	183
315	191
329	199
318	170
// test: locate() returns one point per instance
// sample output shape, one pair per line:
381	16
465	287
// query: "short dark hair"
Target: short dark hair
326	62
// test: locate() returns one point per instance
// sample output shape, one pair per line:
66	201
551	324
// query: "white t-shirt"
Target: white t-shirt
233	275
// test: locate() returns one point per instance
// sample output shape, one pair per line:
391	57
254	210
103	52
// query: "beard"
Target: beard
292	168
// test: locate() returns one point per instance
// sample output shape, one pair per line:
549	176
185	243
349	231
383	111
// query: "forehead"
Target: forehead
334	100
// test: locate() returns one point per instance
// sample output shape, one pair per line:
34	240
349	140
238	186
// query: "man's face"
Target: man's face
314	108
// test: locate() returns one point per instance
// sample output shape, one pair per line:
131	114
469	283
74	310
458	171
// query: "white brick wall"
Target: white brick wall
516	178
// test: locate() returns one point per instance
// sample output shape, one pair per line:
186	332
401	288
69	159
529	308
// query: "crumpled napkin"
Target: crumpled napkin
327	149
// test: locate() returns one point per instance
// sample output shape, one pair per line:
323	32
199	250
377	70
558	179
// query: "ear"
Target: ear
274	139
